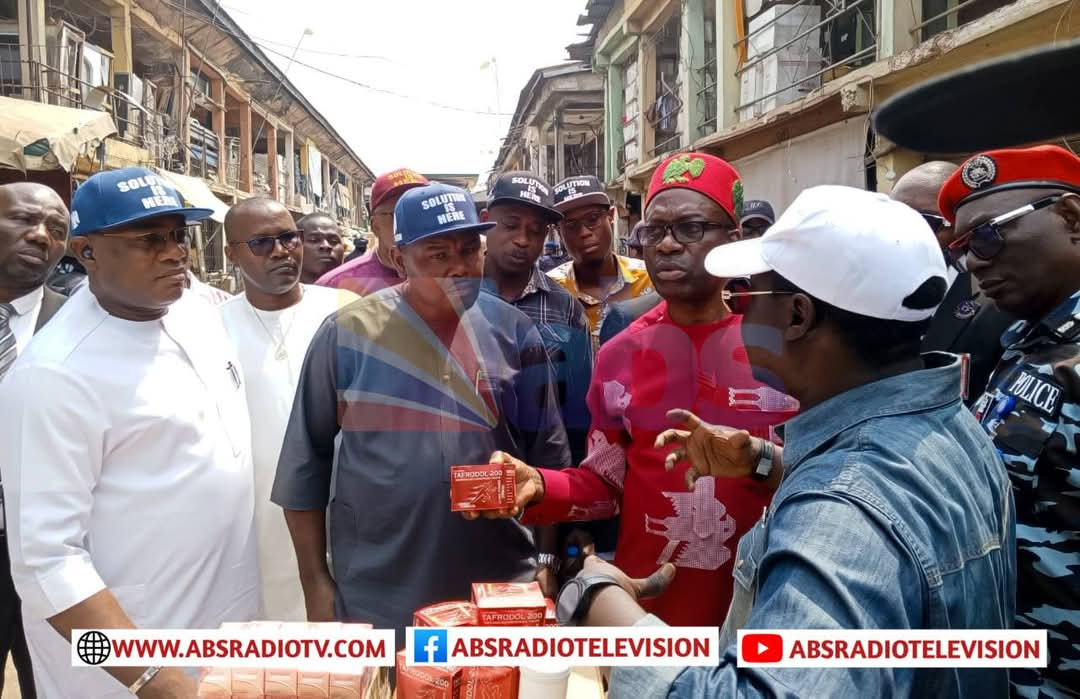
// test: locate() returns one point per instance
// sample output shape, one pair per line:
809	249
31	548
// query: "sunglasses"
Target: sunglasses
683	232
737	295
935	222
264	244
986	240
155	241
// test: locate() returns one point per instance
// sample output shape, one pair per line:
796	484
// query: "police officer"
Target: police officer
1017	213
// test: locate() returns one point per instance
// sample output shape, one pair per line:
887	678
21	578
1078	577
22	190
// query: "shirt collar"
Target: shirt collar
538	282
621	280
1062	322
914	391
27	302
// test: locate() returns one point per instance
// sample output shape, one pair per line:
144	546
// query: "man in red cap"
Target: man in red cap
685	353
373	271
1017	213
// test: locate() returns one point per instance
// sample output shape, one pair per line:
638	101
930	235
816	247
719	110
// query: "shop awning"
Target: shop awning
197	193
35	136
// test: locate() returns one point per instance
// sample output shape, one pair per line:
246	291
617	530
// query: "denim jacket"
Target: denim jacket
894	513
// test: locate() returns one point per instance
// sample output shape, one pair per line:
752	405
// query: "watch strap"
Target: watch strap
581	590
764	466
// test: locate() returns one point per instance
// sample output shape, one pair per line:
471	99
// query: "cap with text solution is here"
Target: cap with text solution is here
394	182
121	197
859	251
584	190
520	187
435	209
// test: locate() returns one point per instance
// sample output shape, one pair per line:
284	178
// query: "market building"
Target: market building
784	90
87	85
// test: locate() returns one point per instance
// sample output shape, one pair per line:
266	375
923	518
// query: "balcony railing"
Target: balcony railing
792	49
136	123
942	15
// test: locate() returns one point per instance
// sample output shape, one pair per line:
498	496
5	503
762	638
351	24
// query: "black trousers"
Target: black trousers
12	638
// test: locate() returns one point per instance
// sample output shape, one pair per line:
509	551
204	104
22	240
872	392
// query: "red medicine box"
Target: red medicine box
427	682
490	683
509	604
477	488
549	614
446	615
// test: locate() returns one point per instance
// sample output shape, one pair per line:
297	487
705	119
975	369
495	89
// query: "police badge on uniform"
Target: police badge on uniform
966	310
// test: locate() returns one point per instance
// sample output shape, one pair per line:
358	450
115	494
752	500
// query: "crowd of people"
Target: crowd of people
862	413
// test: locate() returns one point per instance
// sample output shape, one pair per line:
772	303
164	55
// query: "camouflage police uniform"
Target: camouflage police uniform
1032	410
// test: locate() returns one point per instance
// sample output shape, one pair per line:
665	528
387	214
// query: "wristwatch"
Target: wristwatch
764	466
549	561
577	595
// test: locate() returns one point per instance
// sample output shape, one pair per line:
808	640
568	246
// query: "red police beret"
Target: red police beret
1041	167
701	172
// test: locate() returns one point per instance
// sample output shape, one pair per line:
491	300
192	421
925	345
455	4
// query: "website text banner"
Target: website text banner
535	645
881	648
342	649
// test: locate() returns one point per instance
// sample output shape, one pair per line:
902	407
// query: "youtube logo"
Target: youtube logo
762	648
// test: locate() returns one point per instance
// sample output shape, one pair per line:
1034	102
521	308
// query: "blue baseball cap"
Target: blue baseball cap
121	197
435	209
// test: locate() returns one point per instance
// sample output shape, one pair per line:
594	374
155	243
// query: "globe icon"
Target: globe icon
93	648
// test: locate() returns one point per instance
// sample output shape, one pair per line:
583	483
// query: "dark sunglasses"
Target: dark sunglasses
683	232
155	241
264	244
935	222
986	240
737	295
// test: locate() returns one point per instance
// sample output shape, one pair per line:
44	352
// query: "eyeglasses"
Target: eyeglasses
738	298
683	232
155	241
590	221
264	244
986	240
935	222
320	238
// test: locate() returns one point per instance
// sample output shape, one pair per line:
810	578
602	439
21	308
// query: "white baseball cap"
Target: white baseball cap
859	251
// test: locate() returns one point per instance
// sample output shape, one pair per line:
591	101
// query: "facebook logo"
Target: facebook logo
429	645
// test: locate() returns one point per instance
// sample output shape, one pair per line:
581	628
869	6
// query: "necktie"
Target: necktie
8	350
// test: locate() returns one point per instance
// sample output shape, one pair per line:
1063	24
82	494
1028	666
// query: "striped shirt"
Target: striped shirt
564	330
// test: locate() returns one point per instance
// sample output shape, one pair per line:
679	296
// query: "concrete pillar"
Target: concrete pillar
614	110
646	96
32	54
120	24
727	62
560	165
290	169
217	93
271	161
896	19
692	64
247	177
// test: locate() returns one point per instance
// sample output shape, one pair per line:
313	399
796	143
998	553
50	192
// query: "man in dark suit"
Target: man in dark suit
33	233
966	322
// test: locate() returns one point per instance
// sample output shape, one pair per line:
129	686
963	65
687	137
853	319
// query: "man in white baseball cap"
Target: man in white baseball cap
892	509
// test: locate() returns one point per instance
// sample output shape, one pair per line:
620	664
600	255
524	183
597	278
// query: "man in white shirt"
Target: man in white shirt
127	459
33	234
271	326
